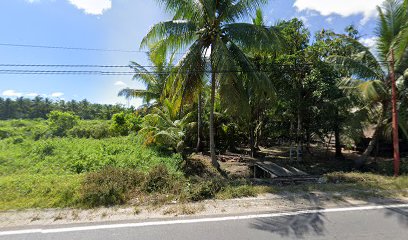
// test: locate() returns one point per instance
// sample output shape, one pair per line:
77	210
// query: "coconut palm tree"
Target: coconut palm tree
154	78
165	128
370	75
209	28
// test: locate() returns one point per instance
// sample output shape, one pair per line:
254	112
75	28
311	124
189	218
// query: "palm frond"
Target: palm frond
372	91
142	74
400	44
183	9
137	93
258	20
234	10
392	18
355	67
361	53
187	77
262	39
174	35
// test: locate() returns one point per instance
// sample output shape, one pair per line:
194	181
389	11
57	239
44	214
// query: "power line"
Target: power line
4	70
74	48
75	72
70	48
114	66
68	65
92	49
48	72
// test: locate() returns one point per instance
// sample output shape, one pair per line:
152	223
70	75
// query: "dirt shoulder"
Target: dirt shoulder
263	203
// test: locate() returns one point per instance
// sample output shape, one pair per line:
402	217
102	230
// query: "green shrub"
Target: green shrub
133	121
158	179
40	132
4	134
18	140
44	148
20	191
200	190
387	167
109	186
60	122
18	123
91	129
123	123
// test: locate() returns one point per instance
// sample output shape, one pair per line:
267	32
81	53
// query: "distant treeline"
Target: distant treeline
39	107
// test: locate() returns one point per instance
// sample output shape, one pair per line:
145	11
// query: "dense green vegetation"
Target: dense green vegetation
41	169
39	107
270	83
47	171
239	87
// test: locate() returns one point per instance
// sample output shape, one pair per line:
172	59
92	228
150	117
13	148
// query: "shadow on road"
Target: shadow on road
297	225
400	213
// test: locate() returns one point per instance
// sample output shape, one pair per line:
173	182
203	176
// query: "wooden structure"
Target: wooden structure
281	175
272	170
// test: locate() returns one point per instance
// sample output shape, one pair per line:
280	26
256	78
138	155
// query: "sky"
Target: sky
121	25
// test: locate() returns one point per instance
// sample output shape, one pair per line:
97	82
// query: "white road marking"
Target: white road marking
199	220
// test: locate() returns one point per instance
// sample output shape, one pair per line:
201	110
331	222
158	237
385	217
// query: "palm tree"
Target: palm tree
163	126
370	75
208	27
154	79
254	95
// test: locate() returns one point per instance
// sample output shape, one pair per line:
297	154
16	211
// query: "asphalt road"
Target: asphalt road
348	223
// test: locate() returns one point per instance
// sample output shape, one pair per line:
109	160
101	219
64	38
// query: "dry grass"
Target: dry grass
184	209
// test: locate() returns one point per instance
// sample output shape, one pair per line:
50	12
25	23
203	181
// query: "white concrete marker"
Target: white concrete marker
199	220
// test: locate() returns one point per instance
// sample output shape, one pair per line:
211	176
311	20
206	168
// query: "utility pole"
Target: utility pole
395	138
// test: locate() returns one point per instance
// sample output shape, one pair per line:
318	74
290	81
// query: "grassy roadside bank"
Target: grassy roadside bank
42	172
99	189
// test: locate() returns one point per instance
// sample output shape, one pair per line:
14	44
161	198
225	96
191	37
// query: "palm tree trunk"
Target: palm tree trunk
199	122
339	154
371	145
214	161
299	136
252	139
291	150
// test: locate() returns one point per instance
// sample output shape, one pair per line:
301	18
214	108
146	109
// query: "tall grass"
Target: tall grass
39	171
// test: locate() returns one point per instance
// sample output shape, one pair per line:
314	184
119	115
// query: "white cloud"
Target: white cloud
12	93
120	83
344	8
32	94
57	94
305	20
329	20
369	42
94	7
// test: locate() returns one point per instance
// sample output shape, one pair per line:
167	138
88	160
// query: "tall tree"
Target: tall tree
374	73
209	26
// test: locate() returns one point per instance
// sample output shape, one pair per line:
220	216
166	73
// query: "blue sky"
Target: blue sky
121	24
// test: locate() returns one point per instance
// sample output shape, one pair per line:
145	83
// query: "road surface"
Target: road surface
367	222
